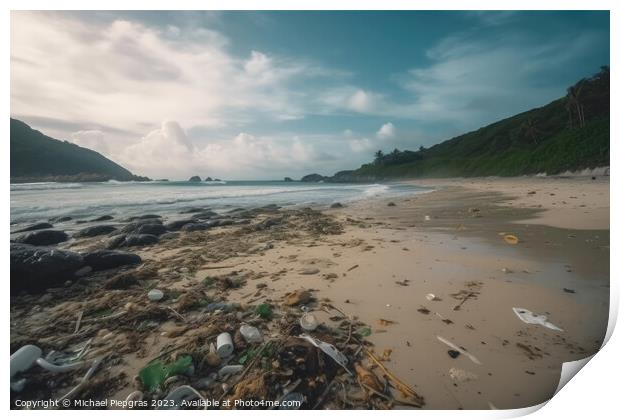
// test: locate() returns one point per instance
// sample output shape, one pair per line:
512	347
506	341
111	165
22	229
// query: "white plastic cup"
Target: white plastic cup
24	358
224	345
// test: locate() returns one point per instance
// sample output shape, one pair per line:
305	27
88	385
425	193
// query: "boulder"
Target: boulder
206	214
116	241
178	224
193	227
148	216
43	237
193	210
169	236
91	231
336	205
195	178
267	223
107	259
60	219
288	179
150	229
208	179
36	226
138	240
133	226
102	218
34	269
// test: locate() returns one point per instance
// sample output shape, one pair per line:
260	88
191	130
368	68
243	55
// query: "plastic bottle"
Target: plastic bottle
24	358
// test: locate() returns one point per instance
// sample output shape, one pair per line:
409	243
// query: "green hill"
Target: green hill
570	133
36	157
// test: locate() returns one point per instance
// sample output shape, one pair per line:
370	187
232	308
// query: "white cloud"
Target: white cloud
167	150
387	131
130	76
91	139
350	98
360	145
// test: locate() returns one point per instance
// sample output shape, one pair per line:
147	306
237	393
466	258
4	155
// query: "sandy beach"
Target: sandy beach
417	272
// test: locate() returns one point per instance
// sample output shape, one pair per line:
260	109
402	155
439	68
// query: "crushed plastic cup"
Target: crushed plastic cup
250	334
308	322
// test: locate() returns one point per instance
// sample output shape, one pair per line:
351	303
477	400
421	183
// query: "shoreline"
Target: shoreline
368	255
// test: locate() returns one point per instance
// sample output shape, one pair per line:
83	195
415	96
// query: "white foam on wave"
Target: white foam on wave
40	186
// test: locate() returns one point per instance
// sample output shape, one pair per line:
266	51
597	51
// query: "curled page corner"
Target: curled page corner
570	369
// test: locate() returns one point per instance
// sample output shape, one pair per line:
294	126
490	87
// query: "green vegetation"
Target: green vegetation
36	157
570	133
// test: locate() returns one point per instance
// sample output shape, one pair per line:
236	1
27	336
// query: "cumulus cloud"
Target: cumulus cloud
91	139
132	76
168	150
350	98
387	131
360	145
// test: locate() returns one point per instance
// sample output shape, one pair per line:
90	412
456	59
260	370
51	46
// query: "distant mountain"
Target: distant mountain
36	157
569	134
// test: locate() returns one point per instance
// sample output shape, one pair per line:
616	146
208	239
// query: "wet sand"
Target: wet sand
401	257
377	262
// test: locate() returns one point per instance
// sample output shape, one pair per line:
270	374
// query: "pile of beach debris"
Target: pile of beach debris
218	354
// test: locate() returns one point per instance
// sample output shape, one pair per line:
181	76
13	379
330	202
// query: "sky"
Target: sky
264	95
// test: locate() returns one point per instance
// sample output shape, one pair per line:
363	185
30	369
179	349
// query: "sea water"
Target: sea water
34	202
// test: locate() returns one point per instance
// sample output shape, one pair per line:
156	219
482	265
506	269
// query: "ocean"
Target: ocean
35	202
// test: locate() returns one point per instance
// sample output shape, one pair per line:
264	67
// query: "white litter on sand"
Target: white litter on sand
531	318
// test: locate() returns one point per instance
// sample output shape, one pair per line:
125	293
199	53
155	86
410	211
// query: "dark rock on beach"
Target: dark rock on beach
336	206
150	229
34	269
133	226
132	240
60	219
102	218
43	237
107	259
207	214
139	239
178	224
193	210
36	226
91	231
195	178
193	227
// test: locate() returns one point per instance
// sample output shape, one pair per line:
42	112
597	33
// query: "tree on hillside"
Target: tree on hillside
574	105
379	156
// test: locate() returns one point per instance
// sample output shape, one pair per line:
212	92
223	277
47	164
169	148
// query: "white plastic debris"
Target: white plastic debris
459	349
155	295
329	350
24	358
224	345
308	322
229	370
461	375
430	297
427	218
531	318
250	334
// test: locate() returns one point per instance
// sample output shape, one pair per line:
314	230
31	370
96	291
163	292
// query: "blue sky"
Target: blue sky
264	95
